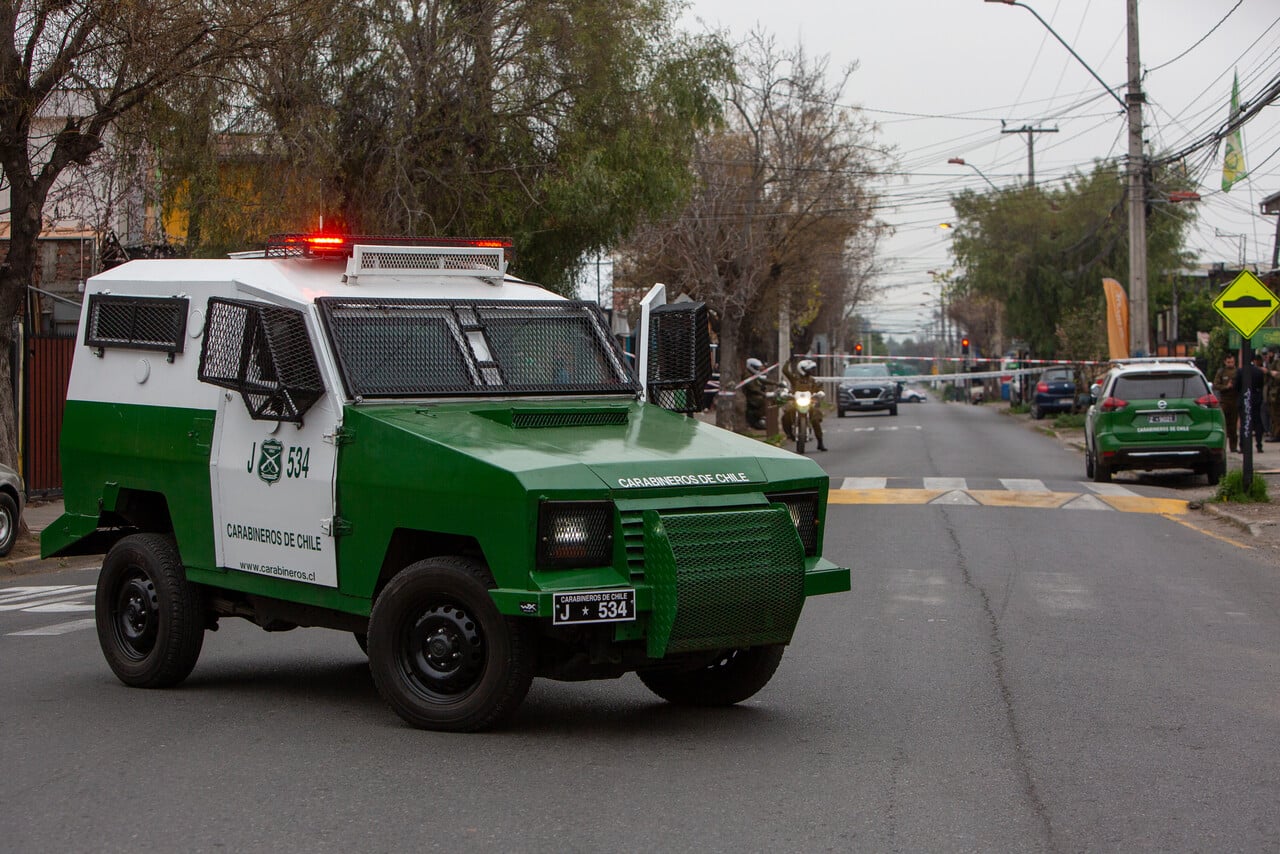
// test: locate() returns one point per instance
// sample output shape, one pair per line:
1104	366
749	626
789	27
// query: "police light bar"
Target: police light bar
322	245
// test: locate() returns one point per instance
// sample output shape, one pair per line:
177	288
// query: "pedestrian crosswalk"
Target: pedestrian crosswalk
999	492
49	599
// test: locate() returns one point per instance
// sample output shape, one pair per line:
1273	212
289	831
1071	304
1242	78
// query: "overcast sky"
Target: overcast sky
938	76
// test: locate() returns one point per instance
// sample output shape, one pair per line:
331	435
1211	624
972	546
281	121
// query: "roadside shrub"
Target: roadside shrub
1231	489
1019	408
1069	421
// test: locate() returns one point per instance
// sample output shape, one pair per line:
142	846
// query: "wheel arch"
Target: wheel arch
409	545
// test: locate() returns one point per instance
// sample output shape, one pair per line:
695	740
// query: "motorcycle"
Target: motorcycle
804	403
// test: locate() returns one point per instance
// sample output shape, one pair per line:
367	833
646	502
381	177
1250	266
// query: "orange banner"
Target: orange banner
1117	319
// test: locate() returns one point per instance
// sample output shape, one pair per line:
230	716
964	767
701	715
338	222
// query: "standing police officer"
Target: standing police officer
1224	386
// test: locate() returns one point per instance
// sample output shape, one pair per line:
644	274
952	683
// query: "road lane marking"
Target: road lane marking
1085	502
864	483
1006	498
55	629
1209	533
882	496
947	483
1109	489
41	598
1023	484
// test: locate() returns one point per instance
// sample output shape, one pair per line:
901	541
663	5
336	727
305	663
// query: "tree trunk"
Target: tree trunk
727	399
16	274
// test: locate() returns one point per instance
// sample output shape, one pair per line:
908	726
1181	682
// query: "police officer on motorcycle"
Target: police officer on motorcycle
803	378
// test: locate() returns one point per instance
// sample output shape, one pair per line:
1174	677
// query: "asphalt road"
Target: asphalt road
1004	676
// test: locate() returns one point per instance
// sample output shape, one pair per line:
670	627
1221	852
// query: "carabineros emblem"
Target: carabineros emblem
269	460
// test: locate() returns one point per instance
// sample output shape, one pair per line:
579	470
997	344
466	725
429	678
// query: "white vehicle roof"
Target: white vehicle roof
418	271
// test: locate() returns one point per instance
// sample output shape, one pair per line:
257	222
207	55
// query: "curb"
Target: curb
36	564
1253	529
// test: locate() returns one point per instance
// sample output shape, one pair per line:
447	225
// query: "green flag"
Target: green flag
1233	161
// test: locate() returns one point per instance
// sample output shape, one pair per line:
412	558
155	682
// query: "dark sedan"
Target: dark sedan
1055	391
867	388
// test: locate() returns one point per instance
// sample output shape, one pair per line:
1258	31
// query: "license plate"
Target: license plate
1162	419
593	606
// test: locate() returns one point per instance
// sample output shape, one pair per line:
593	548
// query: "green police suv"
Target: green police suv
1153	414
400	440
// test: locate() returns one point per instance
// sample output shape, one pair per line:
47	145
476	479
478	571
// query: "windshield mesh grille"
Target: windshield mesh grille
413	348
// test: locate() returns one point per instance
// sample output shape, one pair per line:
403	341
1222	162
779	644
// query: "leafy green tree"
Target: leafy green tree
1043	251
560	125
70	70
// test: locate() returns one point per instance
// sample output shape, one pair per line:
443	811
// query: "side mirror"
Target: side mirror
679	356
1095	390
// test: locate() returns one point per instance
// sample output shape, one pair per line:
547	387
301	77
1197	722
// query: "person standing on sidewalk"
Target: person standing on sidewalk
1271	365
1224	386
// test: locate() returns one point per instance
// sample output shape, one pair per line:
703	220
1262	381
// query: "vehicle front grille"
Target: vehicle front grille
722	579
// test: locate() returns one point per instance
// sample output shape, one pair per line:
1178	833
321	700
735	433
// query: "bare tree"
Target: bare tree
782	206
85	64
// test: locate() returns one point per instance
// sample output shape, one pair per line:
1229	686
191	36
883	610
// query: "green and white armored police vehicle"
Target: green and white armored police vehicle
402	441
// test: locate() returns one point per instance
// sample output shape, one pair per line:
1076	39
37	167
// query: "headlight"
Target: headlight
803	507
803	399
573	534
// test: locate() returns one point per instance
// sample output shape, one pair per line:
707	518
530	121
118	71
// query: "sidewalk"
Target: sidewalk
25	557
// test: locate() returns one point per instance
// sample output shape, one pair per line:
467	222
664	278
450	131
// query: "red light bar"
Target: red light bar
340	245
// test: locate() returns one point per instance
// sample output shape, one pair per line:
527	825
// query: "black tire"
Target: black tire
1088	463
1037	413
1101	471
839	412
9	523
362	640
150	618
1215	472
442	655
893	410
733	677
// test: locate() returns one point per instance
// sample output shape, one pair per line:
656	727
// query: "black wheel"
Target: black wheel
441	654
839	412
893	410
1101	471
1088	463
1215	472
734	676
362	640
1036	412
150	618
8	523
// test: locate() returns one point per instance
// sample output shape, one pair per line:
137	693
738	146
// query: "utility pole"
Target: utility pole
1031	147
1139	322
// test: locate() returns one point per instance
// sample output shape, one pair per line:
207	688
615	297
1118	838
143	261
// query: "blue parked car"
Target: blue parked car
1055	391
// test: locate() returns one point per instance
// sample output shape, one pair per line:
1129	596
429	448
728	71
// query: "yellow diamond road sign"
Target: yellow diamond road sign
1246	304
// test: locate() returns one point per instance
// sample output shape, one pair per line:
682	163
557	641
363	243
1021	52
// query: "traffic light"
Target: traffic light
964	346
857	349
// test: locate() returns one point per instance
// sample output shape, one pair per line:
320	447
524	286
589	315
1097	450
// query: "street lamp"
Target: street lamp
959	161
1139	322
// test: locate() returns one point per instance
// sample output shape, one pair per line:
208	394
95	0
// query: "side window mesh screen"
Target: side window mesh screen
263	352
137	323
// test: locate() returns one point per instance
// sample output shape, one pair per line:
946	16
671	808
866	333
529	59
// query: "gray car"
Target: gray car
12	498
867	388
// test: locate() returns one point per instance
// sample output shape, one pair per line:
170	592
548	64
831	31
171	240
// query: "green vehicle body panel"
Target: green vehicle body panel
459	469
110	447
479	470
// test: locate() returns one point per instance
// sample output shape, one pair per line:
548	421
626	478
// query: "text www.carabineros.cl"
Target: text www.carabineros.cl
278	571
